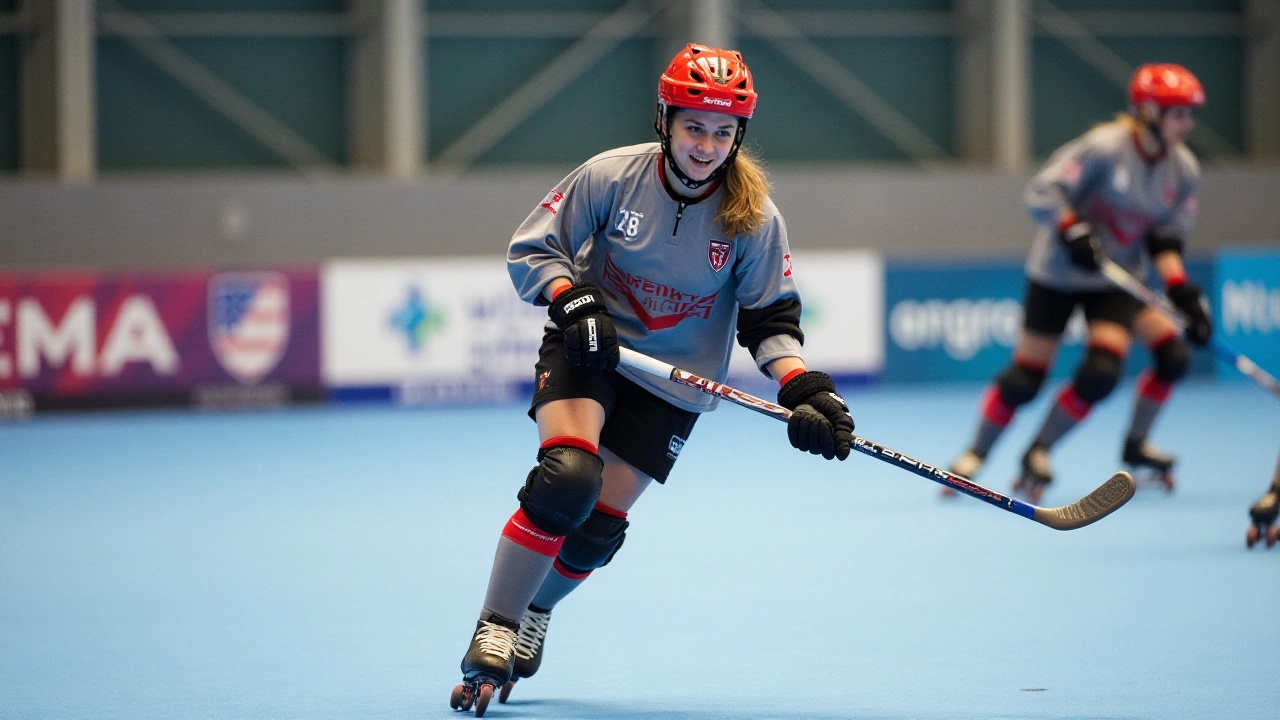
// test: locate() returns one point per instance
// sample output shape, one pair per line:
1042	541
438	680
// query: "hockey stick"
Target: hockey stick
1098	504
1137	289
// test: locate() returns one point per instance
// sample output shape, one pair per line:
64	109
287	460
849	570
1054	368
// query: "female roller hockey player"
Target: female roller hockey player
662	248
1126	191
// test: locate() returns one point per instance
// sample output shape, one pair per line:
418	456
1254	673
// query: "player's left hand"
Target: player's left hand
820	422
1190	299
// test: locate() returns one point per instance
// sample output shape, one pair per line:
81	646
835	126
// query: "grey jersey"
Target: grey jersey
673	282
1103	178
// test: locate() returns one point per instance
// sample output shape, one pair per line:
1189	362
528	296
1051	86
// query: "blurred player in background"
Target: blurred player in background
1126	190
666	248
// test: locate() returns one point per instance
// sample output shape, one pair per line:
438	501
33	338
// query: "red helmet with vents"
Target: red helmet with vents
1165	85
707	78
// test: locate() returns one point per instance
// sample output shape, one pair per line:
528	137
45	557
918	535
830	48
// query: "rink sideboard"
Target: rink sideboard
451	331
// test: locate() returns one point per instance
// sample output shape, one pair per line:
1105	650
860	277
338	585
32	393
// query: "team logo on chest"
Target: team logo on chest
718	254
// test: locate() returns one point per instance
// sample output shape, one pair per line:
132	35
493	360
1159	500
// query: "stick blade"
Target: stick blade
1091	508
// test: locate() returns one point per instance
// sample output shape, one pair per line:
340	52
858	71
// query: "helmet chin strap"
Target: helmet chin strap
1151	120
684	179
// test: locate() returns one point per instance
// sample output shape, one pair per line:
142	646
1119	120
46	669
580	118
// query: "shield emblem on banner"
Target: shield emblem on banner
718	254
248	322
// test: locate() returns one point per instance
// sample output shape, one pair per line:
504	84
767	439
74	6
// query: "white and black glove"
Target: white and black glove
1083	245
820	422
590	339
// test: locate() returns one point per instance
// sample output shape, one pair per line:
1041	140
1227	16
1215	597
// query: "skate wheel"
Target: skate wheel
948	493
1167	483
482	700
1273	535
1251	536
458	699
505	692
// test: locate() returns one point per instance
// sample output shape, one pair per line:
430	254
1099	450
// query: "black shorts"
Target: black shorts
641	428
1046	311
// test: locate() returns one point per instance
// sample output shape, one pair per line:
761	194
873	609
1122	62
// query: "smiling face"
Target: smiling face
1176	125
700	141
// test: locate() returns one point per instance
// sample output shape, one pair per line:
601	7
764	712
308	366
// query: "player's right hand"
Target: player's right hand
1083	245
820	422
590	339
1190	299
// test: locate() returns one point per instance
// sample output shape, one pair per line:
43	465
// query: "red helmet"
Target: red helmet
1165	85
707	78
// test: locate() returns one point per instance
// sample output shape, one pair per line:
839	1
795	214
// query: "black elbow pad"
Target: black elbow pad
1157	244
780	318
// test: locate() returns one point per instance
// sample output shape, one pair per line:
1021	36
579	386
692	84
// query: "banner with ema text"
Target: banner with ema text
960	321
1247	306
87	339
427	332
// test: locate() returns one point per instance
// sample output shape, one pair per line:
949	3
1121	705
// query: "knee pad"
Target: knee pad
561	490
593	544
1097	375
1018	384
1173	360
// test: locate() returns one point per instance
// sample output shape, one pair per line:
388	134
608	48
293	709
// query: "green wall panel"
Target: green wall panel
799	120
1069	96
610	105
1181	5
233	5
1219	65
147	120
523	5
785	5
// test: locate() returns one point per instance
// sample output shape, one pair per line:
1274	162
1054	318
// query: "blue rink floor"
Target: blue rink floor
329	563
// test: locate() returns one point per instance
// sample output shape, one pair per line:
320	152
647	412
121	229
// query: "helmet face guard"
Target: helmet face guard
704	78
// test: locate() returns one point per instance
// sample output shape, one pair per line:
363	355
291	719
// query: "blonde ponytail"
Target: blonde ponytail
745	189
1123	118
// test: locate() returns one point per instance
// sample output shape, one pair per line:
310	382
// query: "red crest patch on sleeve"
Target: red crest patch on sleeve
552	201
718	254
786	265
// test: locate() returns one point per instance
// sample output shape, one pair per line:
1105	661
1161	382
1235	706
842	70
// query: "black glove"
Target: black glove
820	422
1190	299
1085	249
590	339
